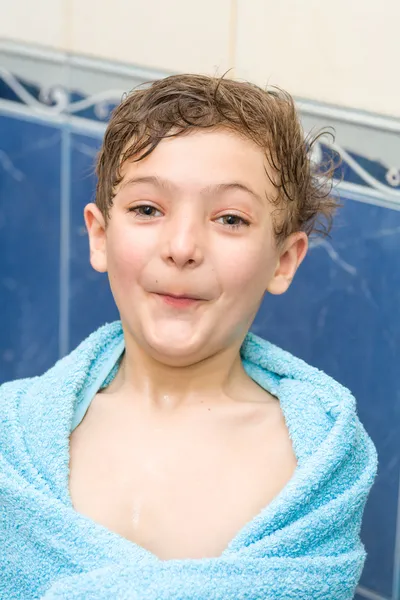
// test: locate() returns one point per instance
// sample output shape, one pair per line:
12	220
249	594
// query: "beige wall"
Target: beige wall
344	52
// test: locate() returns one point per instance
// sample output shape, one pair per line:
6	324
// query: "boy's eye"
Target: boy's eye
233	221
145	210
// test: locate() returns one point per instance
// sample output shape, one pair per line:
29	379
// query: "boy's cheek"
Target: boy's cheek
125	254
124	273
247	272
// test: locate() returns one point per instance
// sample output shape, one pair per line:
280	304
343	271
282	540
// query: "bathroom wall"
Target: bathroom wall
342	312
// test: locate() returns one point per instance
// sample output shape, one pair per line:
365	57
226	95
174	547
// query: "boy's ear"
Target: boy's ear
96	228
292	255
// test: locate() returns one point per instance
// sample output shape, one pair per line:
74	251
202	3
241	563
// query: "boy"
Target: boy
187	439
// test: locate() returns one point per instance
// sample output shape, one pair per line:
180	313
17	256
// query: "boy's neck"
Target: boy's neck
217	379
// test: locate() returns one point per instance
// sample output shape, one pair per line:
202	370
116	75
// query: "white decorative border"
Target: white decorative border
392	174
55	100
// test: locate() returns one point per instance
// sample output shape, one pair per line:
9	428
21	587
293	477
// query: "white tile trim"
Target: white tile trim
369	594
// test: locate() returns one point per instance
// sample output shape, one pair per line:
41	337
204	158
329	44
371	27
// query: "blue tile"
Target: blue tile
91	301
342	315
29	247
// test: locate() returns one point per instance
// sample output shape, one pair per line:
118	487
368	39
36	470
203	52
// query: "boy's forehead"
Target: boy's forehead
213	157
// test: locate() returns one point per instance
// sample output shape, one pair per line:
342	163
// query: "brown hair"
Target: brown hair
181	103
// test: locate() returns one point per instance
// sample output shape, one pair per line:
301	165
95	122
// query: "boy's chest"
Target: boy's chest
180	487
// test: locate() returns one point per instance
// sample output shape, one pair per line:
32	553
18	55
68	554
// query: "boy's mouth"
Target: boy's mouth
179	300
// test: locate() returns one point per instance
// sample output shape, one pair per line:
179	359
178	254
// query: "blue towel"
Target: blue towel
304	545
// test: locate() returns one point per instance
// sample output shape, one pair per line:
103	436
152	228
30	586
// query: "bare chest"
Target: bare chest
181	487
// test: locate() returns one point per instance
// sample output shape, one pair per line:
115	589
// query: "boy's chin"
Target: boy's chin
178	353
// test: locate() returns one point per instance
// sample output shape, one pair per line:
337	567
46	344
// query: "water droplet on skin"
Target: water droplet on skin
137	507
135	518
167	400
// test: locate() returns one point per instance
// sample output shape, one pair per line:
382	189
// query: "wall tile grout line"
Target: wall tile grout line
64	240
65	225
369	594
232	38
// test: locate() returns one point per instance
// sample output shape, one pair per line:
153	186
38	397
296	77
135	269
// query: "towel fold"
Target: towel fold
304	545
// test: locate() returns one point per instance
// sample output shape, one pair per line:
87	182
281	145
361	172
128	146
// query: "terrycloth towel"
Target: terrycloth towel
304	545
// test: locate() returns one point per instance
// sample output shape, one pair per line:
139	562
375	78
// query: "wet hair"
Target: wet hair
180	104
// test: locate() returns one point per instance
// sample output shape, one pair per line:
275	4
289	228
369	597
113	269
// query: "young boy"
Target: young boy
175	434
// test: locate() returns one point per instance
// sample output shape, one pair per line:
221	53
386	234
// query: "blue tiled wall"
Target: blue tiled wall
341	314
30	157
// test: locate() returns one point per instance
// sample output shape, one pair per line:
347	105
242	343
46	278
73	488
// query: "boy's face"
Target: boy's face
193	220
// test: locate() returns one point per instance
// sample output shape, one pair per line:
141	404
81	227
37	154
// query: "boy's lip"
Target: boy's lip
181	301
183	296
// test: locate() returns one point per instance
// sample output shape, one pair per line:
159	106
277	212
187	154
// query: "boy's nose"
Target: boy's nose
183	246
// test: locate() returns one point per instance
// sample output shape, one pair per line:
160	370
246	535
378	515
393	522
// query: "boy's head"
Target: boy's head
205	189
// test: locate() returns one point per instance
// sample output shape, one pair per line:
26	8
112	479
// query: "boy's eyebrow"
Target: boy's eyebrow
151	179
234	185
209	190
